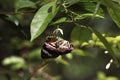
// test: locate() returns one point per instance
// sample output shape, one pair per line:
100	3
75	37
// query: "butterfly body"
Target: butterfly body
53	47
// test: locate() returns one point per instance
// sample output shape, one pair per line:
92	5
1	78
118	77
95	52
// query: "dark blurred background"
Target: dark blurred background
19	57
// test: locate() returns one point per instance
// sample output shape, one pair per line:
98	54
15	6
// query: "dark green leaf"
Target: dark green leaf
118	1
71	2
25	4
114	11
41	20
13	19
91	7
82	34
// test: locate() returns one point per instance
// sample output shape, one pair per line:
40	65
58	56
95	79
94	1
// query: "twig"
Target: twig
96	9
40	68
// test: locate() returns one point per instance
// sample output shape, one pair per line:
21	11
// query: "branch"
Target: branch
22	12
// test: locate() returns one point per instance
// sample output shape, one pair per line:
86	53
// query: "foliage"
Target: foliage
92	26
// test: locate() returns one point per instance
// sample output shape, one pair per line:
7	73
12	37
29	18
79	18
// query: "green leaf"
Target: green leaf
94	37
41	19
79	52
14	61
112	78
88	15
13	19
69	56
61	60
114	11
101	76
61	20
22	4
82	34
35	54
118	1
54	7
91	7
71	2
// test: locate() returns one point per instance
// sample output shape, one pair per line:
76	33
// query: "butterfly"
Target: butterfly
54	46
